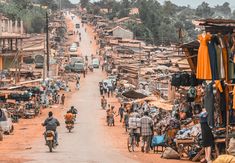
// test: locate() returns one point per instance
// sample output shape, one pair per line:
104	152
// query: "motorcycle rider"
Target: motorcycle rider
69	117
73	110
51	124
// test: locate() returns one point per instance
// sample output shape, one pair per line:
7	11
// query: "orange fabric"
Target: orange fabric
225	60
69	117
218	86
203	60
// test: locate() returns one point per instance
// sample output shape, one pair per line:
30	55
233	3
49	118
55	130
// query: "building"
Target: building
121	33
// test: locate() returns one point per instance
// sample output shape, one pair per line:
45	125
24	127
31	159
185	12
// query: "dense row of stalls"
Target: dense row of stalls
145	75
195	92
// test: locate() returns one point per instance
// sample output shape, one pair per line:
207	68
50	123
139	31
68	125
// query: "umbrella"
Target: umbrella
133	94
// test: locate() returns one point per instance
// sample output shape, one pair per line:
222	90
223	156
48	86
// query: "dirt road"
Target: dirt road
87	142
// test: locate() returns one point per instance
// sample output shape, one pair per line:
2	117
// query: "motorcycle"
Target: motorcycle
69	126
50	139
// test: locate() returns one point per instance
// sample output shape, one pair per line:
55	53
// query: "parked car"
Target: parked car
96	63
77	25
39	61
76	67
6	122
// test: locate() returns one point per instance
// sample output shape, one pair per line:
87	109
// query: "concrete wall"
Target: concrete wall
119	32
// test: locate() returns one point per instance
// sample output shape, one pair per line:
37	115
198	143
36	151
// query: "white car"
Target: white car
6	122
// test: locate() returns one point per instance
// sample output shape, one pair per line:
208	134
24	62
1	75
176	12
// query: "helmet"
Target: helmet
72	107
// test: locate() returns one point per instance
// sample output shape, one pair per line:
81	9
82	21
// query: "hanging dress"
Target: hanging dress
225	56
213	59
203	64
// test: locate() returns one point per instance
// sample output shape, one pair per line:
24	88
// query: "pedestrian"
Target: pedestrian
101	88
134	125
102	66
78	84
78	77
58	99
121	111
103	103
207	136
84	73
62	99
146	124
108	91
105	87
126	120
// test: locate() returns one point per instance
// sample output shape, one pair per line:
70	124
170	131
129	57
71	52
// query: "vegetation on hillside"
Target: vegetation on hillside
162	24
34	17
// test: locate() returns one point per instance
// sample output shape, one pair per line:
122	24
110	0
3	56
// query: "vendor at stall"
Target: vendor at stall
207	136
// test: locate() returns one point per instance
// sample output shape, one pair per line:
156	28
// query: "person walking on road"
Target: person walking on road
121	112
62	99
146	132
84	73
101	88
103	103
78	85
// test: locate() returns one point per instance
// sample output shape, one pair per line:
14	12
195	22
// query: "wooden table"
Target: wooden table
186	146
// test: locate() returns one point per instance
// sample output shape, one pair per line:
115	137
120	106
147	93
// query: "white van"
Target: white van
6	122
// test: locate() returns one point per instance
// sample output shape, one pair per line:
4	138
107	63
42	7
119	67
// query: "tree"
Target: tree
84	3
151	15
125	9
169	8
224	9
204	10
38	24
233	15
168	34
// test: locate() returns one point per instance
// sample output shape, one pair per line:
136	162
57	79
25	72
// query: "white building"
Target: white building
122	33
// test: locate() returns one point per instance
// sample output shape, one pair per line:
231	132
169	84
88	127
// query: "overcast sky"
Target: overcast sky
193	3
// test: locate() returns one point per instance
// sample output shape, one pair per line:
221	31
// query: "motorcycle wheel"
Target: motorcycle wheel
69	129
50	145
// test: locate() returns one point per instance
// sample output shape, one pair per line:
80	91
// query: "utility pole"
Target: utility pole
47	45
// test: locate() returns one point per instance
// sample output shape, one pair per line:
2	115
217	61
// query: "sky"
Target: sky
192	3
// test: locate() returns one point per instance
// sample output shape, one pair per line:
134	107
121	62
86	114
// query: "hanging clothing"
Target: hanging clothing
225	56
234	98
218	85
209	103
203	65
220	62
228	45
213	59
223	105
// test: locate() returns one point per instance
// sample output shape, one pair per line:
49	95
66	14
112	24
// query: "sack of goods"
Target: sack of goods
225	159
170	153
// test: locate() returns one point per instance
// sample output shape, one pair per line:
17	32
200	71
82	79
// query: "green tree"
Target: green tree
169	8
84	3
151	15
125	9
204	10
